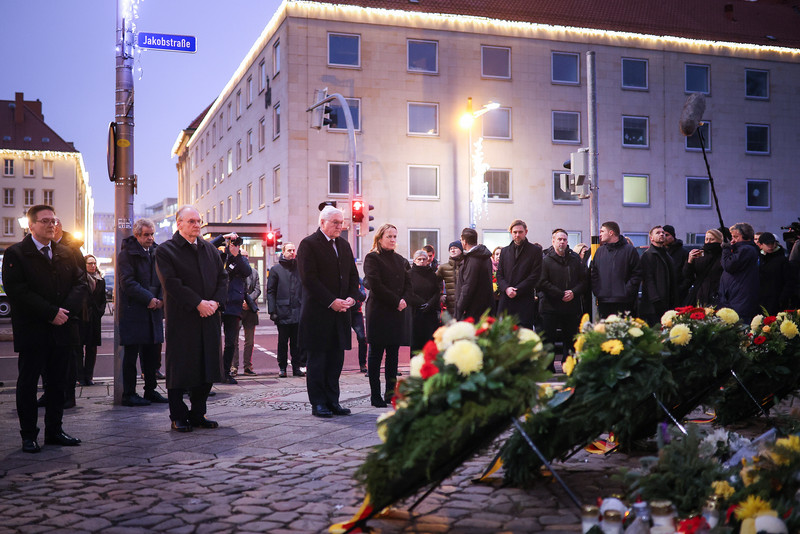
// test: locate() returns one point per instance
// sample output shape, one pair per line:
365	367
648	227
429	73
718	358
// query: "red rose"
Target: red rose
758	340
769	320
698	315
470	320
490	320
429	351
693	525
428	370
481	330
684	309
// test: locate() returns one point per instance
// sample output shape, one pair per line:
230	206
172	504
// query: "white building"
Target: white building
408	68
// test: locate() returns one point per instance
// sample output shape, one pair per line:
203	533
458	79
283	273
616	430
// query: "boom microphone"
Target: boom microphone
692	113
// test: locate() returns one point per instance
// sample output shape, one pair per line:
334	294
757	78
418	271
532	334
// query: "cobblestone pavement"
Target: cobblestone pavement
270	467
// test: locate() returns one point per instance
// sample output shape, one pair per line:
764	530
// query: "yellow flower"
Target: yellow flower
383	430
568	365
667	318
788	329
749	474
437	336
635	331
722	488
600	327
584	320
613	318
415	364
640	322
792	443
459	330
753	506
709	311
728	315
612	346
756	322
465	355
579	342
766	329
526	334
680	334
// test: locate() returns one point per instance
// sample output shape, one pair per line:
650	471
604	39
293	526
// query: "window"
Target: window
221	171
262	133
8	167
208	182
276	121
249	91
262	191
249	199
195	159
202	186
47	197
276	184
214	214
635	190
635	132
758	195
214	175
423	181
239	204
698	193
423	56
214	134
230	115
238	153
221	122
564	68
338	121
8	226
757	136
230	208
418	238
8	197
202	149
693	141
639	239
30	169
559	195
262	76
756	84
230	162
238	103
566	127
208	215
496	62
498	182
634	73
697	79
339	178
573	238
47	168
276	58
423	119
497	124
344	50
249	146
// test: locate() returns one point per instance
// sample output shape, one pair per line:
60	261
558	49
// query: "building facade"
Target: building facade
408	70
39	167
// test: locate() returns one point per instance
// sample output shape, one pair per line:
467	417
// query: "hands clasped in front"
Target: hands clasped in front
342	305
207	308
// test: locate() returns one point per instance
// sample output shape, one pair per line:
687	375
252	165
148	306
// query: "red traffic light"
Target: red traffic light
270	238
358	211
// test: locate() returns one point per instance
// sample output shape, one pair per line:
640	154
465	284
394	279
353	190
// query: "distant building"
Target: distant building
163	215
39	167
104	235
407	69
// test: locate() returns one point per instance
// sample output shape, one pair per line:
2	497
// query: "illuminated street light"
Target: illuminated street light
466	121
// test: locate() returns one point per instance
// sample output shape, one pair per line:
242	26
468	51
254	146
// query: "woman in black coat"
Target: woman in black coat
90	334
427	291
388	280
703	270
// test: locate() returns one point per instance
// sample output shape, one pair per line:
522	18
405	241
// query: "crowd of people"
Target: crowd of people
315	297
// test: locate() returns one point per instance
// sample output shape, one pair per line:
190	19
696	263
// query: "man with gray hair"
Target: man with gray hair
330	288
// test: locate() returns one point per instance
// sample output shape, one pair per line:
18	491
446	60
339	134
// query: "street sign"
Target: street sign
171	43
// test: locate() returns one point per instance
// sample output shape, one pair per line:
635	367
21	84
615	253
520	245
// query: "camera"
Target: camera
793	233
236	241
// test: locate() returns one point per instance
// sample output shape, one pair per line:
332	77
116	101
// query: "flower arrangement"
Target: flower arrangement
462	391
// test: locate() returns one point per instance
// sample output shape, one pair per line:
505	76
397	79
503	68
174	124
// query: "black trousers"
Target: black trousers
86	362
51	363
560	328
198	397
374	369
357	321
231	324
149	355
288	343
322	376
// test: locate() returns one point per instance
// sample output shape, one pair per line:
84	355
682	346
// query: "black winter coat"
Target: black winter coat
425	315
560	273
386	275
776	280
284	292
739	284
91	334
474	293
659	282
37	288
138	285
703	275
522	272
615	272
679	257
238	269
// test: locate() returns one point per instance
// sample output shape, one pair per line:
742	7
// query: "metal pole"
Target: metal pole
469	181
594	178
125	182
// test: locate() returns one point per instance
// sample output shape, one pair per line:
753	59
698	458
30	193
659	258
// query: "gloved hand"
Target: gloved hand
273	317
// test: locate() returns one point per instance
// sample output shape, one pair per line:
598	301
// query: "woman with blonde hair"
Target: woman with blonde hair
386	275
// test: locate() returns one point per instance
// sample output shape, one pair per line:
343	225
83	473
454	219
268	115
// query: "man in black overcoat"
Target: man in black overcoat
518	273
46	288
474	293
659	279
195	285
330	288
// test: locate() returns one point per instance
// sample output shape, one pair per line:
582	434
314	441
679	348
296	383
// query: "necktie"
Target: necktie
45	250
335	250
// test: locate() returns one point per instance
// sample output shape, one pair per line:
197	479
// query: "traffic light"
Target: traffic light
322	115
278	240
358	210
269	239
364	217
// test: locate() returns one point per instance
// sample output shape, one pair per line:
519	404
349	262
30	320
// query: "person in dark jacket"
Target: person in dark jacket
739	285
360	330
775	276
386	275
659	279
252	290
46	289
703	270
428	291
141	313
585	254
90	328
518	272
563	282
195	286
433	263
474	282
679	257
284	297
447	273
615	272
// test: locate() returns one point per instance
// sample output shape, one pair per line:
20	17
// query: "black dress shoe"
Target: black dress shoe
282	373
61	439
182	426
155	397
134	400
379	403
320	410
69	403
205	423
30	445
212	393
337	409
298	373
229	380
250	372
160	375
364	370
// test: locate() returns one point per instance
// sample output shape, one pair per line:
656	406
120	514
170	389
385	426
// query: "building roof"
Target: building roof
762	22
22	127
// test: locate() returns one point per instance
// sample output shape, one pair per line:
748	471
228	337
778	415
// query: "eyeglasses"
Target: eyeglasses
48	222
198	222
147	234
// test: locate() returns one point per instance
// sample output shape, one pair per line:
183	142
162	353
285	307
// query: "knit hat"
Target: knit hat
668	228
456	244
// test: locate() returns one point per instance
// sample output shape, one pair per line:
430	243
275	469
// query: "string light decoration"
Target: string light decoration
478	186
50	155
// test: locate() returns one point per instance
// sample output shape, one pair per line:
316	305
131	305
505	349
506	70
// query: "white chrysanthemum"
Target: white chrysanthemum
680	334
756	322
635	331
526	334
456	331
383	430
666	319
465	355
728	315
415	365
613	318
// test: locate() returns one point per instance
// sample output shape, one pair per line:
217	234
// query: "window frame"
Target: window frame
262	133
494	113
629	204
686	78
8	226
706	136
411	196
249	198
276	58
238	104
412	70
434	105
357	65
8	167
276	183
262	191
249	145
48	193
28	168
553	128
708	185
646	144
749	181
553	80
358	181
357	119
411	249
9	197
747	127
492	76
262	75
756	97
276	120
646	74
509	184
239	154
248	101
230	161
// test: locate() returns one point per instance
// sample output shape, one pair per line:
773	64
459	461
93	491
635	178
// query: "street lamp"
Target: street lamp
23	223
466	122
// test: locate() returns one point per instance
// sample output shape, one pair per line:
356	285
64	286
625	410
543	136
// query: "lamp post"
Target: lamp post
466	121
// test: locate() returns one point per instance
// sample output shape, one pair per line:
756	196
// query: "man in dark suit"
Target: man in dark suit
518	272
46	288
330	288
195	285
